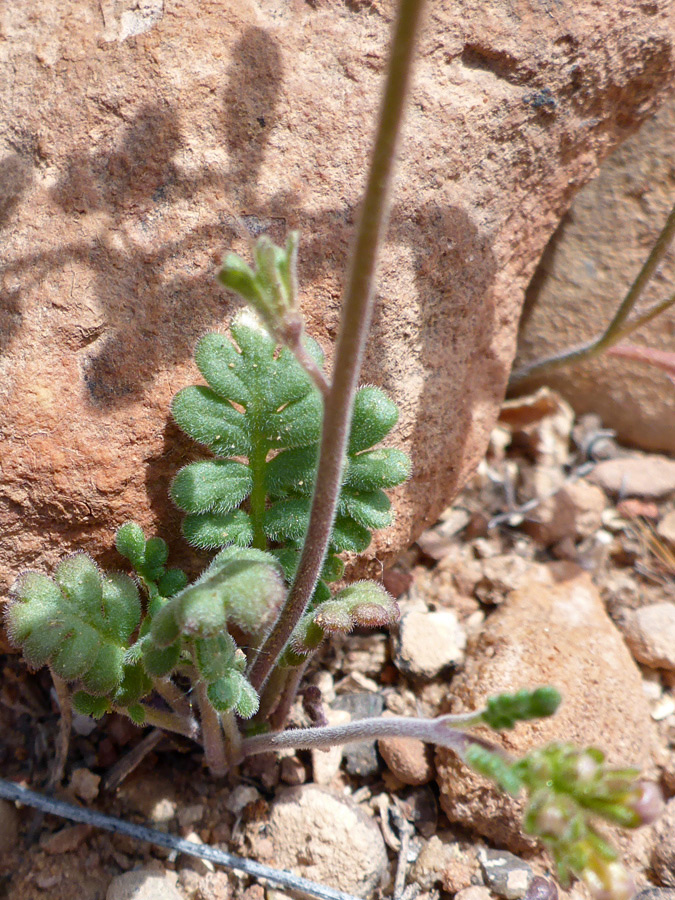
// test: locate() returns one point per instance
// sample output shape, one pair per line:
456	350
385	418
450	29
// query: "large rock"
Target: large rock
584	274
552	631
140	141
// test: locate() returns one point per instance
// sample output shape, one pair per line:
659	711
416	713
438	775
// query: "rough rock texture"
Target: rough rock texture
586	270
325	838
650	634
146	883
140	141
553	631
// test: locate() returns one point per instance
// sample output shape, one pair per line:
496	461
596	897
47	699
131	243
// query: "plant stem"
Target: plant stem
65	725
212	734
257	463
443	731
280	714
176	699
163	718
617	329
354	325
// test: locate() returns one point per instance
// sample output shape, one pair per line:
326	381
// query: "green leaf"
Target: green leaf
292	471
373	418
211	486
220	364
159	662
371	509
171	582
287	519
130	543
156	555
239	277
504	710
382	468
80	624
212	421
210	531
348	535
88	705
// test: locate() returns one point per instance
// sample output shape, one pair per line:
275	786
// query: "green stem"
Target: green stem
257	463
354	325
617	329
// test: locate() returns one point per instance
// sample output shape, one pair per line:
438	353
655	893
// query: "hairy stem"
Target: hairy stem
212	734
257	463
280	714
443	731
65	725
354	325
617	329
173	695
169	721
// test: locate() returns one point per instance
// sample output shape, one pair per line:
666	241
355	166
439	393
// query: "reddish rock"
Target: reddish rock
553	631
646	477
142	142
584	274
410	761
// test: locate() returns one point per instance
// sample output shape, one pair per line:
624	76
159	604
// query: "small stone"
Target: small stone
663	854
649	477
163	811
146	883
326	763
326	838
650	634
411	761
656	893
360	758
240	797
9	827
85	784
663	708
475	892
542	889
66	840
293	771
428	642
505	874
197	863
666	528
500	575
48	880
189	815
436	856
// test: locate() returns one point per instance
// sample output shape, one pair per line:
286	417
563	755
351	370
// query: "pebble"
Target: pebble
293	770
9	827
410	761
66	840
650	477
656	893
666	528
475	892
431	864
428	642
324	837
663	854
505	874
241	796
85	784
197	863
189	815
650	634
326	763
361	758
146	883
500	575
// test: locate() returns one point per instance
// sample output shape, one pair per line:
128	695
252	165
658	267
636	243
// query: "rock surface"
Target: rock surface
147	883
647	477
586	270
428	642
142	141
650	634
505	874
553	631
325	838
663	858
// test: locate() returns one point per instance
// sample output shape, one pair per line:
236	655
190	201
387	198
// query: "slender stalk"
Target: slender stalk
280	714
163	718
173	695
257	462
212	734
617	329
354	326
443	731
65	726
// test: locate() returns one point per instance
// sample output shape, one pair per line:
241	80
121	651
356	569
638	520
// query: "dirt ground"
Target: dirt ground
540	496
